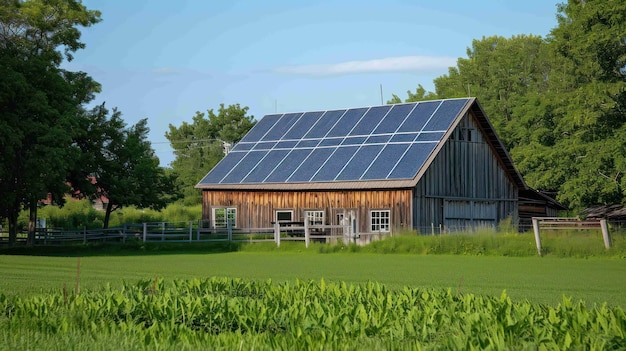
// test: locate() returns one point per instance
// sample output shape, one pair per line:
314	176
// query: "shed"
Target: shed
534	203
430	165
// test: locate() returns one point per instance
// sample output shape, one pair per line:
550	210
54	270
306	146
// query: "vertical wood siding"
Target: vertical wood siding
465	185
255	209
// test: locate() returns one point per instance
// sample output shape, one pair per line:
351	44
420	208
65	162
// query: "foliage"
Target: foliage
79	214
198	146
234	313
557	103
123	166
74	214
39	101
554	243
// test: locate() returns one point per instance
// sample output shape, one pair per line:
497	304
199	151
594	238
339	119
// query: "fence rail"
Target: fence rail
194	231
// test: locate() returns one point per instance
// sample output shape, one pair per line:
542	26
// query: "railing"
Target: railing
194	231
560	223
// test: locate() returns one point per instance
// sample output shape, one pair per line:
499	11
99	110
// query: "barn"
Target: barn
432	166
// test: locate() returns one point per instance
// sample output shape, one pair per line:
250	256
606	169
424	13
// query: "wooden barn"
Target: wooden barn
431	165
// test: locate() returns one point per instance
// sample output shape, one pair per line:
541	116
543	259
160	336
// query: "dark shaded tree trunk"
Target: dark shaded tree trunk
107	214
32	223
12	228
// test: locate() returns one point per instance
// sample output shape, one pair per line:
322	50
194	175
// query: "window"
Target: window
222	214
314	217
380	220
284	215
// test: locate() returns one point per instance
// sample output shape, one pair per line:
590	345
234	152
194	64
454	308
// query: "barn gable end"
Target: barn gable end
466	185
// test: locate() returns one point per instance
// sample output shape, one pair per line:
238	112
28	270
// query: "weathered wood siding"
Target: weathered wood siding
255	209
465	185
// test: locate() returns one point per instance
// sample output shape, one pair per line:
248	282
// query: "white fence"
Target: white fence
193	231
554	223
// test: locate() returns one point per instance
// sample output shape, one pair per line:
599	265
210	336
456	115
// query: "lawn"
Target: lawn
539	280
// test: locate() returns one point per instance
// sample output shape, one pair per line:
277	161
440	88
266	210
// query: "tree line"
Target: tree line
558	103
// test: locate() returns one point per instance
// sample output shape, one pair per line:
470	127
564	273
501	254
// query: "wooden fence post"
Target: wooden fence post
190	231
198	231
229	227
537	237
145	231
605	234
84	234
277	233
307	235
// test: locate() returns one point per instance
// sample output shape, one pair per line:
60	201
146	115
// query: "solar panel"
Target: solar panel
303	125
445	114
346	122
359	162
266	166
310	166
241	170
258	131
370	120
282	126
382	166
334	163
287	166
324	124
394	118
389	142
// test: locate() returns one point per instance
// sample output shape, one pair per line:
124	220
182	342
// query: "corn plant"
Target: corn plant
234	313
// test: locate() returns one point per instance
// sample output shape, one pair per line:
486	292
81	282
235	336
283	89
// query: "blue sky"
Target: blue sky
165	60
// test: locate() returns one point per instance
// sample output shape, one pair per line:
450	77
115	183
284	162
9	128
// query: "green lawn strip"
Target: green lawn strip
539	280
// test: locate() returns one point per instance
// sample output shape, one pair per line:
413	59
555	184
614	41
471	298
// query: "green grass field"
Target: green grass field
539	280
422	293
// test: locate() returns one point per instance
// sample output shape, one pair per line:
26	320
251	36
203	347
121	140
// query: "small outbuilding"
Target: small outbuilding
534	203
432	166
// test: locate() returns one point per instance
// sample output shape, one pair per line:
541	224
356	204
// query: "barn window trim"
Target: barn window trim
219	219
315	217
277	212
380	220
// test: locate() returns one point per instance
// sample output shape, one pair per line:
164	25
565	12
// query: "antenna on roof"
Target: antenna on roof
468	90
381	94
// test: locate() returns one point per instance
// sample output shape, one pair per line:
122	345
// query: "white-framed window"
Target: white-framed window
223	214
284	215
379	220
314	217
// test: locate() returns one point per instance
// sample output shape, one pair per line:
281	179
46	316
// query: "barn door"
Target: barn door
461	215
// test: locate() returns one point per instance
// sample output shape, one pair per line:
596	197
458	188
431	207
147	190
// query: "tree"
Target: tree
38	100
558	104
199	145
119	163
587	94
420	95
500	72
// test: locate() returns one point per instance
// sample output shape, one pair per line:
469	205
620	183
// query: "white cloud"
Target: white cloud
389	64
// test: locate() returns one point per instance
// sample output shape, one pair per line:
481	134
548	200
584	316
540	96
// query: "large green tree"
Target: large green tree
199	145
39	101
118	163
559	104
584	106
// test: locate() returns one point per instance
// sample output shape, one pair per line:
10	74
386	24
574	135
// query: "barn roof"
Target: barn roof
377	147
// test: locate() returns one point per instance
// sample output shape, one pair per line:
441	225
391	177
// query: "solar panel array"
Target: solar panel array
362	144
